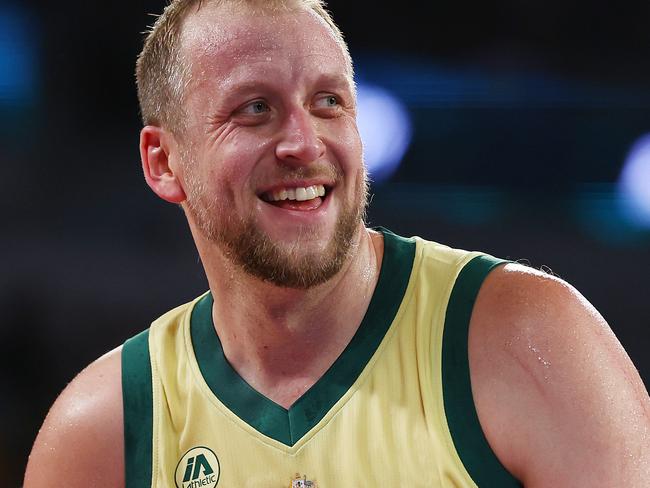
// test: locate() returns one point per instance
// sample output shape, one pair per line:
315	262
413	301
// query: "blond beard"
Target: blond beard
249	248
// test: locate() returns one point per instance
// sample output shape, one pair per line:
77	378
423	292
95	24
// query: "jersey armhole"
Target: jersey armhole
137	395
472	447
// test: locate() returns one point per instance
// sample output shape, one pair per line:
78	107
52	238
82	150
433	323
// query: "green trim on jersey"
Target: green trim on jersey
137	395
266	416
469	439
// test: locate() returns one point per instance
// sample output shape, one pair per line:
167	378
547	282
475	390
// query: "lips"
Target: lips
299	194
302	198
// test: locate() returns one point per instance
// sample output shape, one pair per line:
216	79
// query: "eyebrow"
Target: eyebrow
233	89
339	79
331	79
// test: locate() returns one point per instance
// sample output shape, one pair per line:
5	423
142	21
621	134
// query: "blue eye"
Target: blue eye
331	101
327	102
257	107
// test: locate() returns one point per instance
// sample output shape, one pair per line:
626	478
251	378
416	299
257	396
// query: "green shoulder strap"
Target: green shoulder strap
472	446
137	396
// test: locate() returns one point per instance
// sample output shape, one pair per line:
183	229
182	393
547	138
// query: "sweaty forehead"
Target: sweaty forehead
224	37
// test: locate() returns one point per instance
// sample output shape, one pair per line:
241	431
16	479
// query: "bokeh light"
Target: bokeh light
385	128
634	184
17	57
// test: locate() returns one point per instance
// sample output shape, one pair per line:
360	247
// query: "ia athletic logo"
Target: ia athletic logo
198	468
302	482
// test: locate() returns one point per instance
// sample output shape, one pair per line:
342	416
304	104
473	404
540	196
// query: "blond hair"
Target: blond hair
161	73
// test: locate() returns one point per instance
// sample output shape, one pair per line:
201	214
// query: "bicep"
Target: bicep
595	409
81	440
558	397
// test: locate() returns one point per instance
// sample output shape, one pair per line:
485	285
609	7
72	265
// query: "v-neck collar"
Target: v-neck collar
266	416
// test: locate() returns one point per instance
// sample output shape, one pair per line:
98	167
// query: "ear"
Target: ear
155	148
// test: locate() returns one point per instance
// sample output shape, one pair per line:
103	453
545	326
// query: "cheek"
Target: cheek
233	163
242	150
346	145
222	180
250	142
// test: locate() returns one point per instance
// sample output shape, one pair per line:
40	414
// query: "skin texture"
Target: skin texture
559	400
261	120
271	120
81	441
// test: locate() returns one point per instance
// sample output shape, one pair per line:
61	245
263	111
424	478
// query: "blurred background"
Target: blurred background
519	128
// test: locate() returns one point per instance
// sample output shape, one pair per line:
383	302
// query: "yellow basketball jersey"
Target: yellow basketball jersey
394	410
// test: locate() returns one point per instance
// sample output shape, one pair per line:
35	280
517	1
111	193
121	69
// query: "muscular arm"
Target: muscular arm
81	441
558	398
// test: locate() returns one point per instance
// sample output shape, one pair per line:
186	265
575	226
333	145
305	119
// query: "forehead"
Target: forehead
219	39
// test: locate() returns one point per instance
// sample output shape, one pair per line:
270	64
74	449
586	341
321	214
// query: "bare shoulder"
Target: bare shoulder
558	398
81	441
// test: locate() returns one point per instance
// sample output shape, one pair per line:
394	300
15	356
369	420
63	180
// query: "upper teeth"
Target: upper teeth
299	194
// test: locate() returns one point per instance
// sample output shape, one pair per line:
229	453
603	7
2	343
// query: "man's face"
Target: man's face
271	127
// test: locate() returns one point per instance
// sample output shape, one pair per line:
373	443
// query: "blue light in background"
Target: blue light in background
17	57
385	128
634	184
423	84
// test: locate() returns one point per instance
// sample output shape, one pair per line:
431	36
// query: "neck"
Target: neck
260	325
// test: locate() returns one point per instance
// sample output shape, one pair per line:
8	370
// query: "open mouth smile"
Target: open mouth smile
297	198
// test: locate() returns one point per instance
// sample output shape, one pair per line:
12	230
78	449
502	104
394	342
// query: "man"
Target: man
327	354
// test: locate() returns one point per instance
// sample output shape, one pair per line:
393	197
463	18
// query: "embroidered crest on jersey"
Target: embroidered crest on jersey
302	482
198	468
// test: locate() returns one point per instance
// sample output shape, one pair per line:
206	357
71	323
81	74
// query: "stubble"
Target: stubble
244	243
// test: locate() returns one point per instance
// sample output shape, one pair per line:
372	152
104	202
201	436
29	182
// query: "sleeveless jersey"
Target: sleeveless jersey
395	409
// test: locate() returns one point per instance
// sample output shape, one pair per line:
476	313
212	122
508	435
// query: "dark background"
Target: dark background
523	114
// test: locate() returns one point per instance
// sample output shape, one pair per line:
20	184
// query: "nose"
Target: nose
300	142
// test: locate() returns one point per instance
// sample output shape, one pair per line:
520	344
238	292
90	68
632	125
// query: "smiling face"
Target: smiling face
272	159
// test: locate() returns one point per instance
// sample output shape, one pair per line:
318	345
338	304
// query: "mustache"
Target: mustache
312	171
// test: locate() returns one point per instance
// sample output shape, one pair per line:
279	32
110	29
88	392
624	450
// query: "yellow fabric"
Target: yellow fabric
388	430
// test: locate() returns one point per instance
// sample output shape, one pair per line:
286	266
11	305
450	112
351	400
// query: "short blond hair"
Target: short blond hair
161	73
